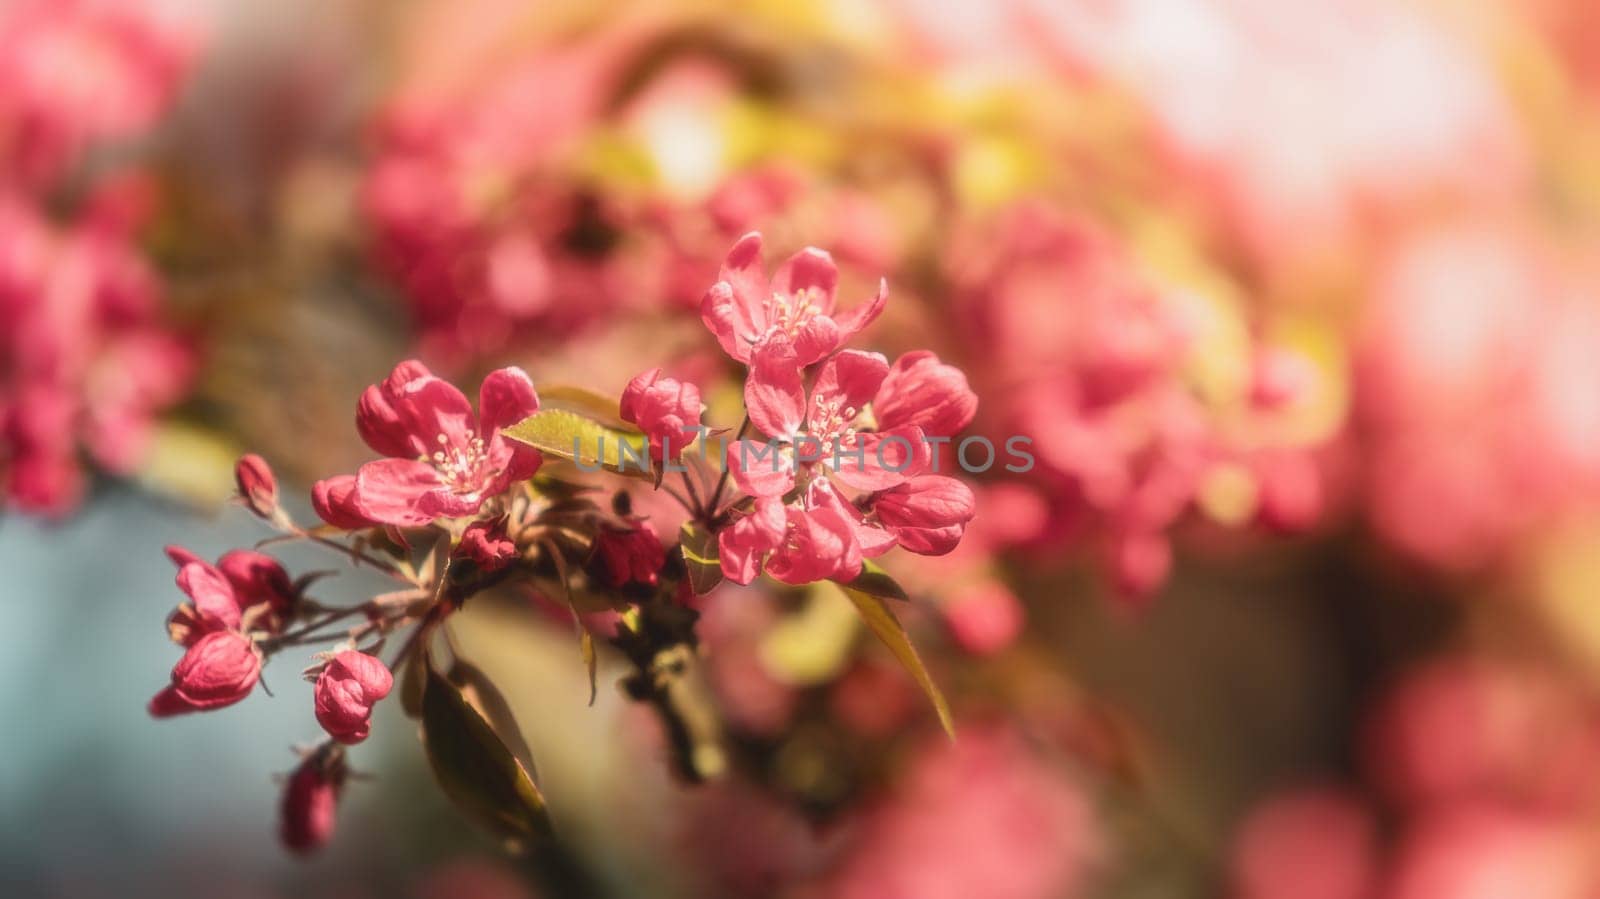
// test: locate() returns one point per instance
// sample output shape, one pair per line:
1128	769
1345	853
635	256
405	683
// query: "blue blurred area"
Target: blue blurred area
97	798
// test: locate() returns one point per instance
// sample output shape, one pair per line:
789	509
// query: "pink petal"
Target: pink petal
742	544
886	459
851	377
760	469
747	283
379	423
432	408
929	513
721	314
390	491
820	545
810	269
505	398
212	593
774	395
873	540
816	339
334	501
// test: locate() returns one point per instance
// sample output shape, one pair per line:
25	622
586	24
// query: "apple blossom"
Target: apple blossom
744	310
444	461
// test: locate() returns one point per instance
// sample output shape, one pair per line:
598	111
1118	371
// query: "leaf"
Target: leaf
583	401
701	557
475	767
412	682
486	698
881	621
584	441
877	582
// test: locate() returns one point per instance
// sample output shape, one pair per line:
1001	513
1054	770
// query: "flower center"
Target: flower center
460	465
792	312
831	422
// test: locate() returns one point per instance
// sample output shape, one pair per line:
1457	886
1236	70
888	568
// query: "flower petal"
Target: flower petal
390	491
761	469
379	423
774	395
881	460
851	377
747	283
433	408
505	398
213	594
811	272
816	339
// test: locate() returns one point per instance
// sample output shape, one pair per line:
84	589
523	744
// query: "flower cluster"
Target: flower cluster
864	426
85	362
461	502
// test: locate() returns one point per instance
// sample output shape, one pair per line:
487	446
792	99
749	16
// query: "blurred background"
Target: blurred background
1299	302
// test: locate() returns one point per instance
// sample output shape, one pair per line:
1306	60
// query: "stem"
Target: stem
722	482
697	510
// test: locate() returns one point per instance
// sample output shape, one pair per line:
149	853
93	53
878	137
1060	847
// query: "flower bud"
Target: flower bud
257	485
632	554
486	545
928	514
218	670
311	800
347	689
665	409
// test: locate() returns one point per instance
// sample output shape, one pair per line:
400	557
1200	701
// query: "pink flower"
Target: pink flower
311	800
744	544
347	689
486	545
927	514
219	669
257	485
745	311
831	430
444	460
665	409
632	554
334	501
819	537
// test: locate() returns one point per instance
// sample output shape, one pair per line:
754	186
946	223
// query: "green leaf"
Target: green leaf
881	621
588	443
412	682
475	767
485	697
877	582
583	401
701	557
